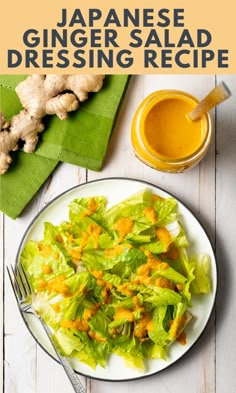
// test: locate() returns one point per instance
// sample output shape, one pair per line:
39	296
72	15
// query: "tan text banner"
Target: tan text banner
133	37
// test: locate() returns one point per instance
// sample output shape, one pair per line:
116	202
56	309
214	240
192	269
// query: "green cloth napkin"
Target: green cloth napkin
83	138
19	185
28	172
80	140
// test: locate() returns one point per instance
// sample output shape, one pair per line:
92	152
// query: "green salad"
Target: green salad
116	280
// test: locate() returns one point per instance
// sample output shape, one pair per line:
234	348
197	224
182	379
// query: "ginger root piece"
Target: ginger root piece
62	104
27	128
8	142
42	95
21	126
39	94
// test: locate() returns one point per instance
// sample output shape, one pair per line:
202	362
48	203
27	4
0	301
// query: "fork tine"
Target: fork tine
26	281
12	283
19	289
16	284
21	281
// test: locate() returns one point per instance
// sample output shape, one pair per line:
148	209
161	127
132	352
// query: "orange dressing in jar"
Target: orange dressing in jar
164	137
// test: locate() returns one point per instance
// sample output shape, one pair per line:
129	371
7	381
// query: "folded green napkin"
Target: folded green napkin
28	172
83	138
80	140
18	186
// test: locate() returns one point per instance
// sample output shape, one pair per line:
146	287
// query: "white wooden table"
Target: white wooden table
209	190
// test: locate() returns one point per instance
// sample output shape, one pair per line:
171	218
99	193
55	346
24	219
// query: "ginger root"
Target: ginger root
42	95
26	127
8	142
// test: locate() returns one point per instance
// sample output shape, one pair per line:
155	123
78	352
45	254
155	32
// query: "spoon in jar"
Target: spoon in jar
219	94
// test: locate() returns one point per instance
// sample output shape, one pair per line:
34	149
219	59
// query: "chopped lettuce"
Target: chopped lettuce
201	282
32	260
116	280
68	342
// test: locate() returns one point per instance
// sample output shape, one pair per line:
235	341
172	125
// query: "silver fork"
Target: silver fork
23	294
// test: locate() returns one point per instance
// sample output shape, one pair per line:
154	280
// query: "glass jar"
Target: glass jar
164	137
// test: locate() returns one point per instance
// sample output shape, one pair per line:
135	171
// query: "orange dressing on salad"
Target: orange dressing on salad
55	285
89	312
143	325
182	339
59	238
150	213
97	273
136	302
163	235
163	282
151	264
100	282
45	250
56	307
123	288
70	238
77	251
106	294
123	226
164	266
179	287
172	253
124	313
56	255
112	252
41	284
78	324
177	325
156	198
96	336
46	268
107	286
58	285
95	230
92	207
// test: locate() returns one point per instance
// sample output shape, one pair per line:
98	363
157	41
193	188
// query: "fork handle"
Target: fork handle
74	379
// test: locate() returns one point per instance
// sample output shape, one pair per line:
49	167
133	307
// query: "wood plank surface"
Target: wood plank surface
225	241
208	190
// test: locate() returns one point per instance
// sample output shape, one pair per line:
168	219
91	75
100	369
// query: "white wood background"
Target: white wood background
209	190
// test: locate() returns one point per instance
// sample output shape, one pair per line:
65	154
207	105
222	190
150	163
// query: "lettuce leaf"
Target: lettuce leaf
32	261
202	280
158	334
68	342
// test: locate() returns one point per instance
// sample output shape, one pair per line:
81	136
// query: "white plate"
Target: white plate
115	190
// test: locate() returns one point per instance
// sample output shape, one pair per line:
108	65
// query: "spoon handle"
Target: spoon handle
215	97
